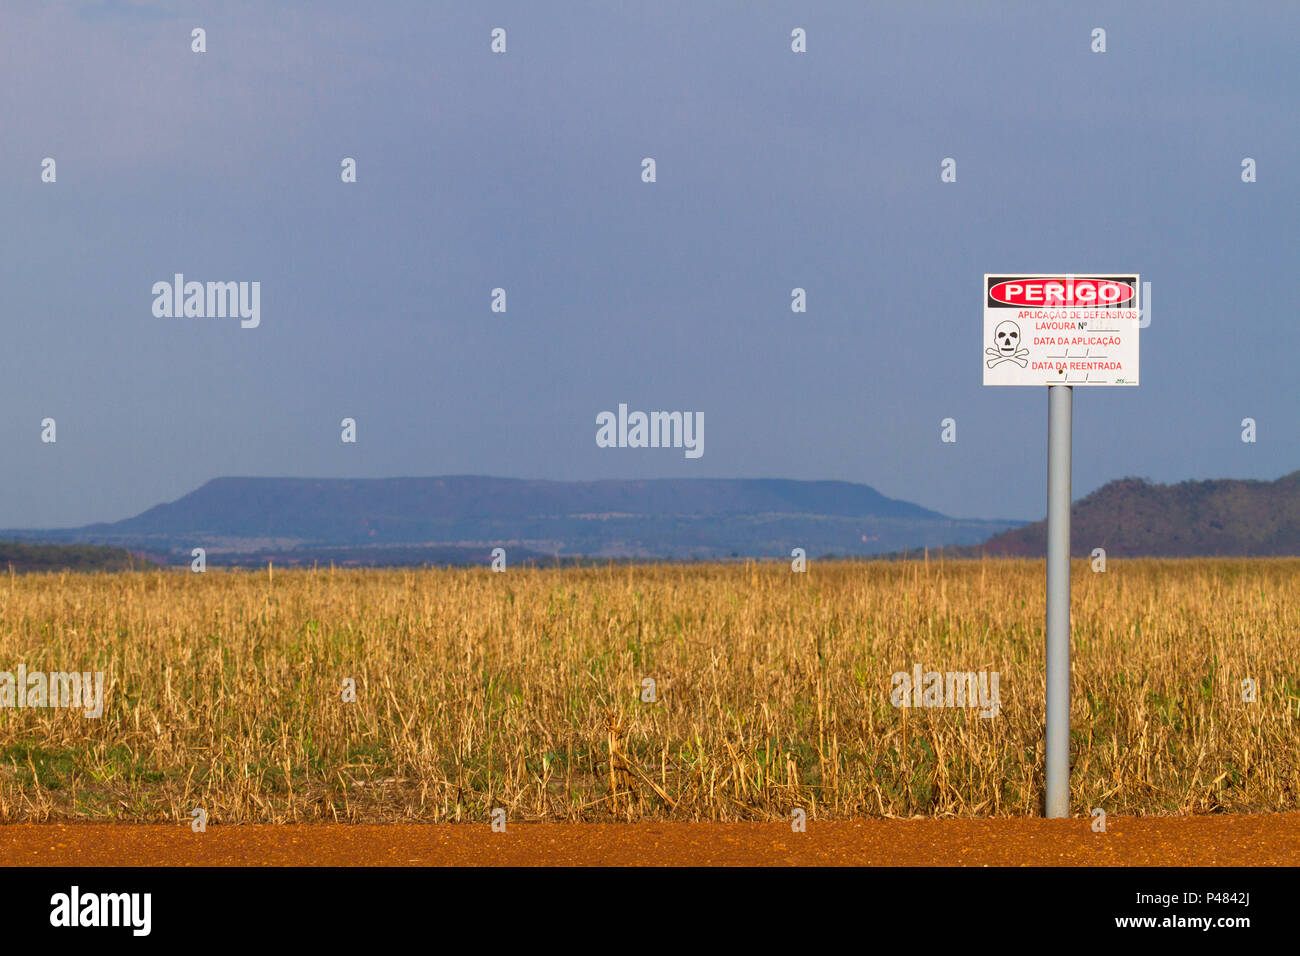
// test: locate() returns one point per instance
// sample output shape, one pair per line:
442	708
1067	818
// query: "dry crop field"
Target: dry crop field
524	691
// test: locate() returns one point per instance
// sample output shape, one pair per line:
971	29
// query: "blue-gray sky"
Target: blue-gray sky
523	170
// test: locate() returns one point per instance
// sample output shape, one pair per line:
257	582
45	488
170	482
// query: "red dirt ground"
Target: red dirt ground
1253	840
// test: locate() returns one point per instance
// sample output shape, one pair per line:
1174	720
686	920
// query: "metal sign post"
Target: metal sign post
1060	331
1060	402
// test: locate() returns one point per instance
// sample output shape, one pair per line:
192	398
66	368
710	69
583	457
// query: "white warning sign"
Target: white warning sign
1061	329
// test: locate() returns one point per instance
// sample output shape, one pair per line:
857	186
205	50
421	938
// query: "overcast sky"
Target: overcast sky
522	170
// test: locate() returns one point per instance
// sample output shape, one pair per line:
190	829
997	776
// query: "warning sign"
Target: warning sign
1061	329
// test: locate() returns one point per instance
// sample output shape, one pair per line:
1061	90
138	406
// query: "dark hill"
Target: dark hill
1132	518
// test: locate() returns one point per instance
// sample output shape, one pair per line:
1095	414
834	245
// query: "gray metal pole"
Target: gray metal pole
1060	399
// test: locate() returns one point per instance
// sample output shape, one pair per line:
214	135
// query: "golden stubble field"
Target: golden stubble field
523	691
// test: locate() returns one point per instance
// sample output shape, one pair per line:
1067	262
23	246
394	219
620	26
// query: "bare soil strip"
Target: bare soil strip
1221	840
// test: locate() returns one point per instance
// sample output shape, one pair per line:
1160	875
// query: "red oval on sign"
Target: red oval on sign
1056	292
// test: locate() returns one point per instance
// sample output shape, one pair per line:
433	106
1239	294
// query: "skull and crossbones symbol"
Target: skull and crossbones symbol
1006	339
